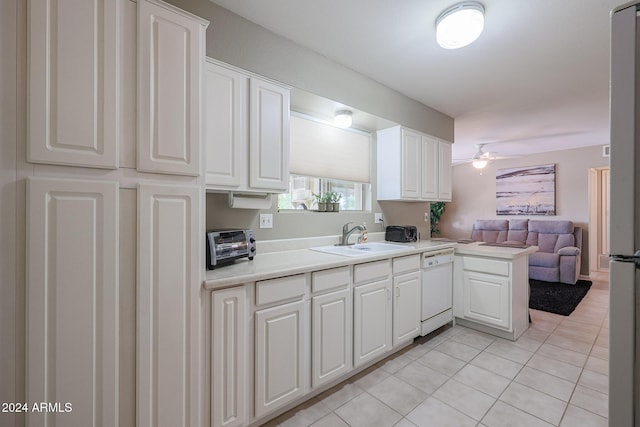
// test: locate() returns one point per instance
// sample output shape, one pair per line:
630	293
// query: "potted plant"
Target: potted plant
436	210
334	200
327	200
320	200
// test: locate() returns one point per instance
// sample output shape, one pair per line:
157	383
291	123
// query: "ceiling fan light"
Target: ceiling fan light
479	163
460	25
343	119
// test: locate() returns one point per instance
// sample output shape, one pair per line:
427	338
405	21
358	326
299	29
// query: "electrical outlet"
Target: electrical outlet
266	220
378	218
426	217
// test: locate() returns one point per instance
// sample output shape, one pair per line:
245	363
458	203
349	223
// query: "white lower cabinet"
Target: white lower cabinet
279	356
169	307
407	297
406	307
72	301
486	298
229	358
371	311
332	343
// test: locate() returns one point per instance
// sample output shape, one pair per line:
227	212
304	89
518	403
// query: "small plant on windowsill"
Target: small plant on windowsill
333	201
320	201
437	210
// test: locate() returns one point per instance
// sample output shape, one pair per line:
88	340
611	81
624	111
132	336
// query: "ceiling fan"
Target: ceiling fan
481	158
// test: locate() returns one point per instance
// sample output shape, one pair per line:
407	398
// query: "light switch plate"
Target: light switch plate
378	218
266	220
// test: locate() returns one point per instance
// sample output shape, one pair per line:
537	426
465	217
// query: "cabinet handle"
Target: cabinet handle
397	291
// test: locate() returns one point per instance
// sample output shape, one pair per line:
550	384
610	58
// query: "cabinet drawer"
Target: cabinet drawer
406	264
371	271
335	278
280	289
489	266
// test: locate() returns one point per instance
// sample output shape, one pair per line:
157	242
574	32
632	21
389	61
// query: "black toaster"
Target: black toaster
401	233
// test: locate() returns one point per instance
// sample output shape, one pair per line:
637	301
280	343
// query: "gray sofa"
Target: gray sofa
559	245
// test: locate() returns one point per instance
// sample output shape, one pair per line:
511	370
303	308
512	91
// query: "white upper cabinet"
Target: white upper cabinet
226	126
247	125
269	136
413	166
444	171
73	54
171	45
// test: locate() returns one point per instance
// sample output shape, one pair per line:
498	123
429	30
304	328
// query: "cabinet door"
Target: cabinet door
73	53
229	363
170	64
411	164
168	305
444	169
72	300
227	126
429	176
269	136
332	343
487	298
279	356
371	321
406	307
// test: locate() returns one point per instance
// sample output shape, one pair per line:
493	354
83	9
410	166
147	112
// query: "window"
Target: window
355	196
326	158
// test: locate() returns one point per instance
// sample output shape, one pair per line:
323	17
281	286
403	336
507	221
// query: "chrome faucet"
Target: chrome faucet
346	233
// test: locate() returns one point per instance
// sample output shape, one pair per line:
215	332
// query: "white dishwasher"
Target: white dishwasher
437	290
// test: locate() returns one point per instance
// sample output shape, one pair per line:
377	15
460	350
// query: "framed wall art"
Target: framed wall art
526	190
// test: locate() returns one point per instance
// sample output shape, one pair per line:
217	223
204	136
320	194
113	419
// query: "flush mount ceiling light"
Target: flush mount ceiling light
460	25
343	119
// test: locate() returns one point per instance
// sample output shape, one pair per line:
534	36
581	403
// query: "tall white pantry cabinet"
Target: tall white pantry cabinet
115	94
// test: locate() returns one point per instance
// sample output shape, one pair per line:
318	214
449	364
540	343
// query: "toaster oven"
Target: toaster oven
226	246
401	233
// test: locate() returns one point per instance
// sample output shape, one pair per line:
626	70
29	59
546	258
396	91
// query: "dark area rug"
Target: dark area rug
558	298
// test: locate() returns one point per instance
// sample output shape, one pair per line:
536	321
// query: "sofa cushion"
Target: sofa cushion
569	250
551	227
518	230
544	259
490	230
550	236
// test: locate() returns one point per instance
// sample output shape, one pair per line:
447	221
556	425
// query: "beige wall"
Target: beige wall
474	192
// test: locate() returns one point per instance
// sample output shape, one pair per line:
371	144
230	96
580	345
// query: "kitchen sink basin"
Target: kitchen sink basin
361	249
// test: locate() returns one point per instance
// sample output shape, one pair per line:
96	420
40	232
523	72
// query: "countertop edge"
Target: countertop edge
245	271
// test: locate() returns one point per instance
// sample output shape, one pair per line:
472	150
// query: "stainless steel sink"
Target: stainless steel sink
361	249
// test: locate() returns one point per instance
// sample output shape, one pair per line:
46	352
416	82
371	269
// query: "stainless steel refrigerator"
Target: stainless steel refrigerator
624	271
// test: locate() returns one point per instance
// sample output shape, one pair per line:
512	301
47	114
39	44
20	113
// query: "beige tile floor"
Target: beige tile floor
556	374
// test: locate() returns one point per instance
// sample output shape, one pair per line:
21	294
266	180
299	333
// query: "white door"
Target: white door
332	342
279	356
429	169
73	82
371	321
411	165
229	358
227	126
170	74
269	136
406	307
486	298
72	301
169	306
444	170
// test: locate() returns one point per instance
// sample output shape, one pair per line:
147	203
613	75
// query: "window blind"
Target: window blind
325	151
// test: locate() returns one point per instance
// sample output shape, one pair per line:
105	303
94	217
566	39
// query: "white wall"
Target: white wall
474	193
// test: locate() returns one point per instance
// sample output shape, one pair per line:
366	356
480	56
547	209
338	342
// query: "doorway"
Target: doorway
599	220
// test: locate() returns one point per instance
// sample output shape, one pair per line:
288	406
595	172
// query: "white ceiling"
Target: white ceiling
536	80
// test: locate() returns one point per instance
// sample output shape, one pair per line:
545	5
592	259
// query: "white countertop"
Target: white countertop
285	263
477	249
